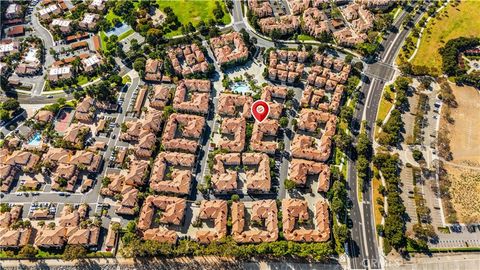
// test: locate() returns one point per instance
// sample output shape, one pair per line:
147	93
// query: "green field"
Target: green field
126	79
193	11
385	105
125	34
303	37
110	15
103	36
453	22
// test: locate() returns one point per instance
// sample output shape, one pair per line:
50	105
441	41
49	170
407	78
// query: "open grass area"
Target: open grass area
81	80
452	22
304	37
385	106
126	79
110	15
125	34
103	36
193	11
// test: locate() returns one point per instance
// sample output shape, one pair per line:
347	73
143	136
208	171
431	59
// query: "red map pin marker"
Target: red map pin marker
260	110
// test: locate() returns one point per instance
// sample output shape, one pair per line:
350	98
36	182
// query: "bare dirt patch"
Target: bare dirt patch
465	192
465	132
464	136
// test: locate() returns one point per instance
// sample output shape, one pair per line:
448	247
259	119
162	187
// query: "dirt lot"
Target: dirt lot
465	147
465	191
465	132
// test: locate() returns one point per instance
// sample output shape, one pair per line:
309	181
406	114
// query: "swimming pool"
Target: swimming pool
35	140
241	87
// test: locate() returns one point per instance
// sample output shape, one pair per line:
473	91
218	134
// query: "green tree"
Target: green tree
10	104
289	184
28	251
74	252
283	122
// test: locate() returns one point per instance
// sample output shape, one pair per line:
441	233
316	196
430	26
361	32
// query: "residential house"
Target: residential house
229	48
218	211
189	129
170	173
263	212
60	73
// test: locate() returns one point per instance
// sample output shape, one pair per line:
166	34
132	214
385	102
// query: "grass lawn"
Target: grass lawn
193	11
81	80
384	107
303	37
394	12
125	34
452	22
103	36
126	79
110	15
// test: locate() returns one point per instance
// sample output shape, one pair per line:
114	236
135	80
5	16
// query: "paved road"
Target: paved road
363	245
92	197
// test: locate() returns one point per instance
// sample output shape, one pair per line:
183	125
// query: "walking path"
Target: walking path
423	28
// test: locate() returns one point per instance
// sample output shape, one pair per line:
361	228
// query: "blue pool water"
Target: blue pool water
35	140
241	87
118	30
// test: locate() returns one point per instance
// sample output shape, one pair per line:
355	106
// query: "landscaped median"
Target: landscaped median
386	104
389	123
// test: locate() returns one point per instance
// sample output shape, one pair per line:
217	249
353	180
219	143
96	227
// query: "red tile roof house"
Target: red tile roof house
224	180
189	127
18	30
75	134
192	96
258	180
296	209
188	59
235	127
274	96
234	105
268	127
68	231
217	210
7	174
154	70
173	211
85	111
159	97
9	237
300	168
315	22
263	212
285	25
261	8
172	173
286	66
229	49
